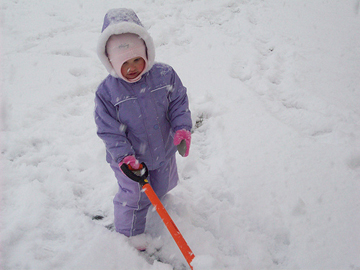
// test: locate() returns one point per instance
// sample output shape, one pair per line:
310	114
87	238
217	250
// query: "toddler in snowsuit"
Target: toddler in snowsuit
141	113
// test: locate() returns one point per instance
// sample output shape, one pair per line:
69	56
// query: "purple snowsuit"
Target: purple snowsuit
139	119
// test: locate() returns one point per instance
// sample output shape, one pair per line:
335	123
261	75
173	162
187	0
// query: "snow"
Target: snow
273	176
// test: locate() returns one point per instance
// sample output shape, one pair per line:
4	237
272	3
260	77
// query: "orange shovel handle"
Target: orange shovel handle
169	223
154	199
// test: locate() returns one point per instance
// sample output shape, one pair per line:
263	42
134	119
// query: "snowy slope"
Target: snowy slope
273	176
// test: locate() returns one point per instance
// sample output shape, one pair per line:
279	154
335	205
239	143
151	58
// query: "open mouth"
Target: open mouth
133	74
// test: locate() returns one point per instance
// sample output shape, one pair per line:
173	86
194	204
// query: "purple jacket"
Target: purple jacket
140	118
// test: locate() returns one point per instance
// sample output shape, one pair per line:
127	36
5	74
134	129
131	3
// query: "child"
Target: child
141	113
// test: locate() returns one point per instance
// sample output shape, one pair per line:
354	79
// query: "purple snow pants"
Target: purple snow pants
131	204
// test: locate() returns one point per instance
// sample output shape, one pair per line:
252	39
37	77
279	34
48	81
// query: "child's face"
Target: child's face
133	67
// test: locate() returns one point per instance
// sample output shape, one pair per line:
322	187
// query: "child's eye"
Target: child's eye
137	60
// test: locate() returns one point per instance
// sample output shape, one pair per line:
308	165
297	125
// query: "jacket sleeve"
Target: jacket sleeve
109	129
179	113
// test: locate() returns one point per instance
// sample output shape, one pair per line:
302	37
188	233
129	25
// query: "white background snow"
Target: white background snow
273	176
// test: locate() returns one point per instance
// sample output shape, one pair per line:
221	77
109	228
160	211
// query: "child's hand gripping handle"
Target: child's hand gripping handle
138	175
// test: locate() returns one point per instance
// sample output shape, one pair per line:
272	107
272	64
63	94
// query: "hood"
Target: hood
121	21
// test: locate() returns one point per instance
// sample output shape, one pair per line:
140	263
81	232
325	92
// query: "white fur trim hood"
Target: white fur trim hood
120	21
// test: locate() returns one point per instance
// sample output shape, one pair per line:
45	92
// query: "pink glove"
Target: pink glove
131	161
183	147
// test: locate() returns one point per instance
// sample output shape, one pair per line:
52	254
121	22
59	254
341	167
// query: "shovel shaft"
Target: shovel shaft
169	223
140	177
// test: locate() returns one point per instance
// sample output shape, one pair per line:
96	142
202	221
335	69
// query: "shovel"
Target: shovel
140	176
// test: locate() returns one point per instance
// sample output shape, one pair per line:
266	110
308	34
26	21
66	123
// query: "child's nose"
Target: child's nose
132	67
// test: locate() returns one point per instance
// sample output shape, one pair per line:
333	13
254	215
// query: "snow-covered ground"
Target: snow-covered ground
273	176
